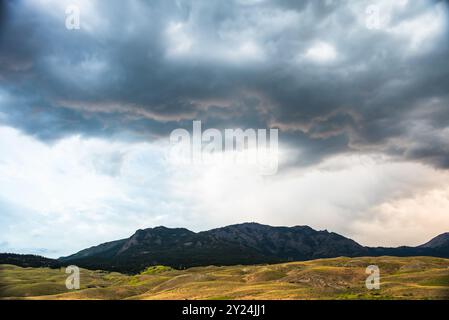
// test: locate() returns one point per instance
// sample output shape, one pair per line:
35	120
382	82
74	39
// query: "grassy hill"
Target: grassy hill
338	278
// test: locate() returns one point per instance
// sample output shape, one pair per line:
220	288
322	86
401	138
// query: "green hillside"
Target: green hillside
339	278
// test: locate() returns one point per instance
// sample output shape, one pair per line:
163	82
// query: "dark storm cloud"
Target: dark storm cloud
312	68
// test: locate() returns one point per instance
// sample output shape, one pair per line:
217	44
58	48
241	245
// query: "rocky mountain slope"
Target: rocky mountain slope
247	243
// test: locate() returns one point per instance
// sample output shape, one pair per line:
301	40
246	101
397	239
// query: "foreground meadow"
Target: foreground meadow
339	278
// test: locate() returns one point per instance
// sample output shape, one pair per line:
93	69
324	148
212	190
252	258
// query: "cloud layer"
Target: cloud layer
317	70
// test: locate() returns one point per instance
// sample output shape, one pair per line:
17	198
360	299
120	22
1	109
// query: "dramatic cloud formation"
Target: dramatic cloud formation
340	79
316	70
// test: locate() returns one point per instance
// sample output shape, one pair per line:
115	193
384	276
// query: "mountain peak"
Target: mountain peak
260	226
440	241
161	230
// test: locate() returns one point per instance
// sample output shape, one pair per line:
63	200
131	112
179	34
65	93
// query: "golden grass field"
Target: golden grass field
339	278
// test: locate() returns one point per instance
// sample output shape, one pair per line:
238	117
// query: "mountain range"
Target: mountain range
246	243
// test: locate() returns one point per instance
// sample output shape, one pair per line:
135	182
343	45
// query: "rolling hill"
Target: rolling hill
336	278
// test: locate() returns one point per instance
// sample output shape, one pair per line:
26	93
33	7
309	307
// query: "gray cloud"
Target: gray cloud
140	70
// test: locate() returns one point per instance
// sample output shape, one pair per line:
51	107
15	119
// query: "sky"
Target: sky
358	90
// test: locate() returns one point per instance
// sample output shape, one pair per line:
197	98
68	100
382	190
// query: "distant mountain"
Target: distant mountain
177	248
439	242
294	243
28	260
246	243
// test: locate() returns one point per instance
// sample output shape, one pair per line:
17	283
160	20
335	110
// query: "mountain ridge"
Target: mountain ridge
244	243
440	241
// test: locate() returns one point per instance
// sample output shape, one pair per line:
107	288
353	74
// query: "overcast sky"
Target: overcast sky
359	91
